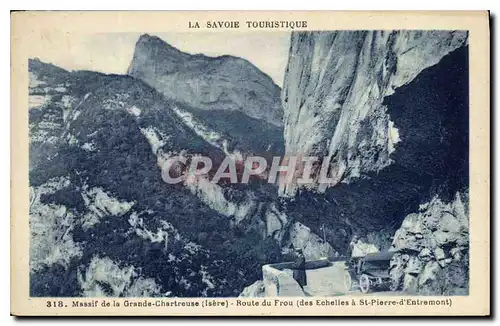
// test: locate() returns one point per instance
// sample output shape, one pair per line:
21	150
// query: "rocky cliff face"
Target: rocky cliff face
207	83
433	249
389	111
334	88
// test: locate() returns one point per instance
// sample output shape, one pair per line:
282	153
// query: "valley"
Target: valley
386	112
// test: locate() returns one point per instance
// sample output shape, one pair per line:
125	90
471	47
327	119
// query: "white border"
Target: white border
194	5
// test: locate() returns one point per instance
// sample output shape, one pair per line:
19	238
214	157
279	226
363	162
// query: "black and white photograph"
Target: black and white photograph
384	112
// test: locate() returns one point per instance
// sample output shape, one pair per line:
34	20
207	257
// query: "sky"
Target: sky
112	52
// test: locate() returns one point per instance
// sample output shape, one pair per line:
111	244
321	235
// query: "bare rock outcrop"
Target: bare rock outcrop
206	83
335	85
432	249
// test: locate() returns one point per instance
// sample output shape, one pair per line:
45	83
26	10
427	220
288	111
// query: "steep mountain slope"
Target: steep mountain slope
389	111
235	132
207	83
98	201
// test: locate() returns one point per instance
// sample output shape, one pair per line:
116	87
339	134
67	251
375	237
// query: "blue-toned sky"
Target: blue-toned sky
112	53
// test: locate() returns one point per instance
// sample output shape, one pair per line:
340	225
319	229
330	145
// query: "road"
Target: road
329	281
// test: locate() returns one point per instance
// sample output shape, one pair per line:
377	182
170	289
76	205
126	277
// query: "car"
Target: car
370	272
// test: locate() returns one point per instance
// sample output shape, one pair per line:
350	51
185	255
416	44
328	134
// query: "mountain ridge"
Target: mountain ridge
98	199
223	82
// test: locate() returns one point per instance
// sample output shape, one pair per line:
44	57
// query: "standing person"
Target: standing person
352	260
352	244
299	269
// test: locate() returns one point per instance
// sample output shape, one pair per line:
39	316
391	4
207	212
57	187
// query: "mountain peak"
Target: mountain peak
207	83
152	40
155	46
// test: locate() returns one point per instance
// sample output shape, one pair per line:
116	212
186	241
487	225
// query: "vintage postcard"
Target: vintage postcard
250	163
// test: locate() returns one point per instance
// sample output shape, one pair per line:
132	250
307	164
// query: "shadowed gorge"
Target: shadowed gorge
388	111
